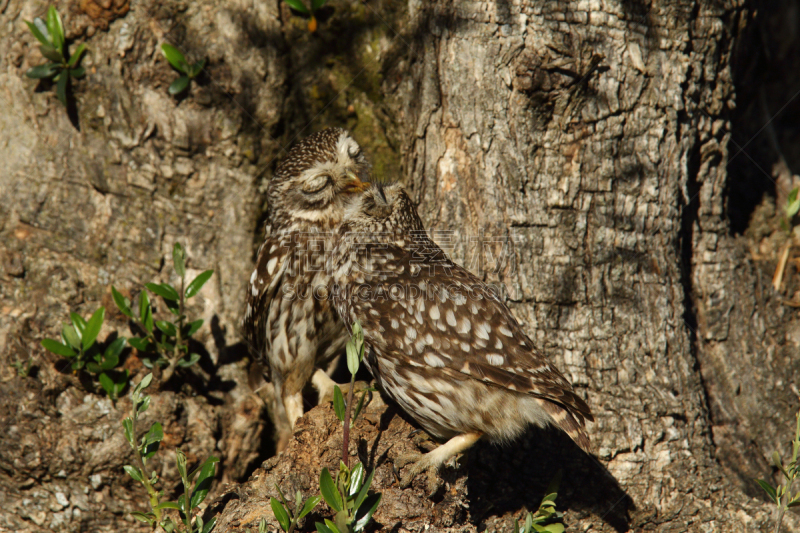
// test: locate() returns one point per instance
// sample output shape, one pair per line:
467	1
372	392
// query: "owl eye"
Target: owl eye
316	184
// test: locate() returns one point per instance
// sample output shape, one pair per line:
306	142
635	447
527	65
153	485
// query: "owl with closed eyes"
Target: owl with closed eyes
288	321
438	340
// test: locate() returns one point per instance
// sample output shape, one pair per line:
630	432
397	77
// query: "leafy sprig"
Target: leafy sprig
62	65
78	343
195	484
349	499
166	338
348	495
283	513
545	520
189	71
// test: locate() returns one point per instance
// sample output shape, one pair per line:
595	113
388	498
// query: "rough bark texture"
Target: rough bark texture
586	145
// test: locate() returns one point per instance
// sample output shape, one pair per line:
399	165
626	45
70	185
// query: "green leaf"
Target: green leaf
197	283
93	328
58	348
280	513
179	85
208	461
182	503
178	256
769	489
338	403
148	319
371	505
174	56
148	518
71	336
51	53
794	501
168	505
41	36
203	482
180	458
73	59
552	528
94	368
152	440
309	506
332	526
356	477
48	70
359	406
209	525
127	426
122	303
328	490
316	4
193	358
167	327
362	494
78	322
144	303
113	352
61	86
56	28
352	357
192	328
139	344
322	528
108	385
298	5
134	472
77	72
164	290
197	68
145	382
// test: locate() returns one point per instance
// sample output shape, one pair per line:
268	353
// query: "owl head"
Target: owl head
310	185
381	210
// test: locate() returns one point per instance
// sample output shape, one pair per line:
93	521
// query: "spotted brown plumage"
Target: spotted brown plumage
288	321
438	340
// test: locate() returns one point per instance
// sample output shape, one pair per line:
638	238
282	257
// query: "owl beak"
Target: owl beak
353	183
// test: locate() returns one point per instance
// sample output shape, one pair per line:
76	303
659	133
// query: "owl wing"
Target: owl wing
455	323
274	257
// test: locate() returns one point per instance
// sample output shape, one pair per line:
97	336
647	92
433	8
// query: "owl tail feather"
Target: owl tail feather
572	426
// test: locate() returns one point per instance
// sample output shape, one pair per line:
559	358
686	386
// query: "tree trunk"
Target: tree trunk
577	153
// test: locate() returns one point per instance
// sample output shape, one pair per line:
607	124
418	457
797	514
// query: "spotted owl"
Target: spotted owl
438	340
288	321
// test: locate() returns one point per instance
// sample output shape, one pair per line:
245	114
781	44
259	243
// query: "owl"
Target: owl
288	322
438	340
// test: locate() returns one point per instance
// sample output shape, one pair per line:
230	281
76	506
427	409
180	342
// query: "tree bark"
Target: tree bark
577	154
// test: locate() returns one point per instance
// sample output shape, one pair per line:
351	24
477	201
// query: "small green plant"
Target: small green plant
194	492
189	71
166	339
545	518
78	343
62	66
782	494
300	7
286	517
348	496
